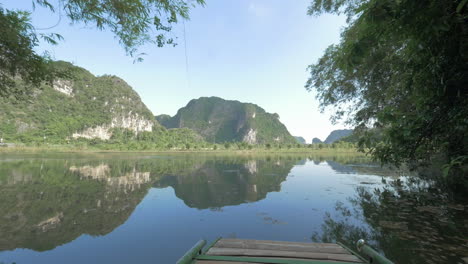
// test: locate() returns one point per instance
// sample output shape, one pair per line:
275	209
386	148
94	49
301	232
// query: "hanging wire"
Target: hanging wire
186	58
59	19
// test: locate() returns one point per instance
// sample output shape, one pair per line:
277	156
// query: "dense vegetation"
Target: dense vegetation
300	140
316	140
49	116
134	23
336	135
163	120
399	75
55	116
218	120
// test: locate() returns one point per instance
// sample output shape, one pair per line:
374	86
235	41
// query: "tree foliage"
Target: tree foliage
134	23
399	75
17	57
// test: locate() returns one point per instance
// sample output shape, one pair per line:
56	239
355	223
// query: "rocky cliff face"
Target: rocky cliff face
131	122
250	137
219	120
82	106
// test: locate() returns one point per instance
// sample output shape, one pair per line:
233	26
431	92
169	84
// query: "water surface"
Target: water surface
146	208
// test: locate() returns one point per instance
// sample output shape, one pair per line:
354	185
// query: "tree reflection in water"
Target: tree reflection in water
409	219
50	202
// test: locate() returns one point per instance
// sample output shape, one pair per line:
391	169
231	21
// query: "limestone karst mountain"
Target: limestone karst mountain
79	106
336	135
316	140
300	140
219	120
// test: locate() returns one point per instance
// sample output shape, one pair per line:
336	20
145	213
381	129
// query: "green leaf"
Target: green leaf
461	5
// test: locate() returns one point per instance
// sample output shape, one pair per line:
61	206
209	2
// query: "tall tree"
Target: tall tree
400	76
134	23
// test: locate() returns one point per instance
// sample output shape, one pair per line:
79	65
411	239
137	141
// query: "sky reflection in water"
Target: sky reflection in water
112	208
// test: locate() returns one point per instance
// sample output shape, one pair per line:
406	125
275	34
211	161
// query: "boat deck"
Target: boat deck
234	251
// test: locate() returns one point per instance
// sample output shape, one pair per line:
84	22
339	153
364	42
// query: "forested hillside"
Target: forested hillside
300	140
316	140
82	107
219	120
336	135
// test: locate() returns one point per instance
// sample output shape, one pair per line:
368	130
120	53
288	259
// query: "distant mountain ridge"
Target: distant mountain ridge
316	140
336	135
163	119
300	140
219	120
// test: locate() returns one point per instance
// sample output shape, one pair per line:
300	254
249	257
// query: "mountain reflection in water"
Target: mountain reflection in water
46	203
49	201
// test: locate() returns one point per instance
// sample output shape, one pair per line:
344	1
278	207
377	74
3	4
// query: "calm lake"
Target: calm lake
151	208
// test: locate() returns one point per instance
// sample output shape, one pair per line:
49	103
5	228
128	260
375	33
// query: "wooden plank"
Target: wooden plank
221	262
323	245
230	262
286	246
276	253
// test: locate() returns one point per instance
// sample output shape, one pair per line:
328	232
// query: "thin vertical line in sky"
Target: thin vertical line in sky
59	18
186	58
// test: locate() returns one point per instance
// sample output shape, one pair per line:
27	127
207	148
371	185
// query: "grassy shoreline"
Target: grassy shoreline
71	149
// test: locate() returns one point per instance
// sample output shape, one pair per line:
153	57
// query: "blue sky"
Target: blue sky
248	50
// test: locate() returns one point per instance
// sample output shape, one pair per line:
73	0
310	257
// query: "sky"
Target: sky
254	51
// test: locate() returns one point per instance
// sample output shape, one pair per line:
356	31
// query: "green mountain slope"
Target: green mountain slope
219	120
300	140
316	140
163	119
336	135
81	106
